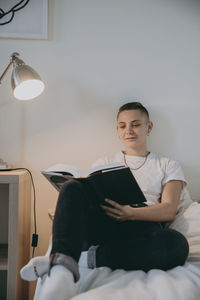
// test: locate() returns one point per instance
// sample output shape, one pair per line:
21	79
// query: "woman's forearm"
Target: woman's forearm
161	212
158	212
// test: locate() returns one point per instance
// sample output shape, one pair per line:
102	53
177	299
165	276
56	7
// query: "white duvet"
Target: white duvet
180	283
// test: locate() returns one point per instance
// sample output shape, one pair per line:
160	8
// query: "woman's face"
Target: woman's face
133	127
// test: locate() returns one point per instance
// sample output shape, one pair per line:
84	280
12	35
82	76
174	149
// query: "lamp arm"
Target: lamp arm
6	70
14	59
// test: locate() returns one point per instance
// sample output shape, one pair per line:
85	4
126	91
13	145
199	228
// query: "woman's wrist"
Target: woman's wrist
133	214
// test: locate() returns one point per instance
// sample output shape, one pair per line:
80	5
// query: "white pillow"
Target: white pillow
188	223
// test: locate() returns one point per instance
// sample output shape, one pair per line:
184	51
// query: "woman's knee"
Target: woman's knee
71	192
176	246
71	186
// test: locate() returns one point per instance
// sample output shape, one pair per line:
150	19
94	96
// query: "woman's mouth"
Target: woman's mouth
130	138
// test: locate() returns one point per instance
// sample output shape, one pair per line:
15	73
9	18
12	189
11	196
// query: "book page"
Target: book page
105	167
76	172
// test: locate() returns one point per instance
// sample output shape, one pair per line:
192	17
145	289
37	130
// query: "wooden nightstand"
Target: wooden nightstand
15	208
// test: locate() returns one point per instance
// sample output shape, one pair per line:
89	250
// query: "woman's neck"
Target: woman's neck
134	152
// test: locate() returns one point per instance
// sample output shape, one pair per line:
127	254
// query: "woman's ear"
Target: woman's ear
150	126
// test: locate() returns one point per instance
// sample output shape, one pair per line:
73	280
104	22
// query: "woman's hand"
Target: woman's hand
118	212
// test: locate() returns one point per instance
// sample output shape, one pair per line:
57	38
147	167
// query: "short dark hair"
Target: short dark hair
134	106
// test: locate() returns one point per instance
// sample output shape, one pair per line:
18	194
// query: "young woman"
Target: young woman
116	236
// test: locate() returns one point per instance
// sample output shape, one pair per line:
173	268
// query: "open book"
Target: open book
114	181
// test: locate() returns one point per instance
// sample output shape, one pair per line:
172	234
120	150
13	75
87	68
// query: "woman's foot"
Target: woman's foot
36	268
58	285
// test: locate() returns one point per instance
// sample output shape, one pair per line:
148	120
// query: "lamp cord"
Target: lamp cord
12	10
34	235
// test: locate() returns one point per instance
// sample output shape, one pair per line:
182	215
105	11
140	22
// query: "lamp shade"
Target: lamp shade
26	82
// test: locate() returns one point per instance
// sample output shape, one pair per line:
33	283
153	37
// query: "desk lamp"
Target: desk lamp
25	81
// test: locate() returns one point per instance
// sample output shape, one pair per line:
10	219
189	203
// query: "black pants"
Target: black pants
80	222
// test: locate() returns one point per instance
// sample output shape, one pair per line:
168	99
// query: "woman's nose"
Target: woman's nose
129	130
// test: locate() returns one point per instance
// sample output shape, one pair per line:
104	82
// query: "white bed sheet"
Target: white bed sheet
180	283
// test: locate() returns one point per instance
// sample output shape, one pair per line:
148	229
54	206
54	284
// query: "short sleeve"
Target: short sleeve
173	171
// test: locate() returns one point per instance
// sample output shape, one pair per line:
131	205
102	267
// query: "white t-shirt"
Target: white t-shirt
152	176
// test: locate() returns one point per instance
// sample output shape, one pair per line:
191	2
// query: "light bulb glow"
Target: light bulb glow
29	89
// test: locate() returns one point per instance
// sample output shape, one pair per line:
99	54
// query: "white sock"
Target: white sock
36	267
59	285
83	259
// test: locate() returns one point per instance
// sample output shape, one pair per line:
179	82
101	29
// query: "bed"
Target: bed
180	283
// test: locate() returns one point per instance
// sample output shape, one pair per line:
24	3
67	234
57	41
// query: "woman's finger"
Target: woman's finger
112	210
113	203
118	218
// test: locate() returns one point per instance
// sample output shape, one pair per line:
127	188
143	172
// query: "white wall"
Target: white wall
101	54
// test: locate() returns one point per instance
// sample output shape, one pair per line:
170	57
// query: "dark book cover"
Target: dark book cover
118	185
